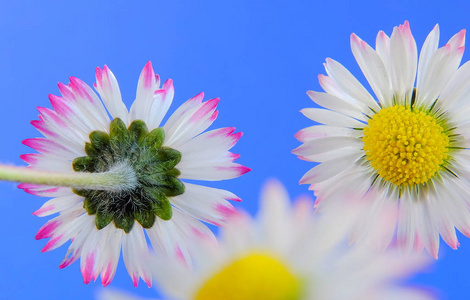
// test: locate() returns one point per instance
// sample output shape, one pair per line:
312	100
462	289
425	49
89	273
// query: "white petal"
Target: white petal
49	162
382	46
332	118
373	68
110	241
403	63
336	104
319	131
330	155
90	255
427	51
108	88
134	252
146	88
174	236
75	113
457	91
330	86
174	120
58	204
275	216
376	227
358	181
350	85
442	65
162	100
86	108
205	203
112	294
326	144
329	169
209	144
191	123
458	40
215	170
54	127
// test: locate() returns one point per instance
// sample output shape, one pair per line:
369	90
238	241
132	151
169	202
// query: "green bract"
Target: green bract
154	167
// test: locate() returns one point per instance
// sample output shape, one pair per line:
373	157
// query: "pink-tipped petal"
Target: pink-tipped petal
31	158
148	75
47	230
108	274
52	243
59	106
135	279
458	40
66	92
88	269
168	86
226	210
43	210
208	107
226	131
42	127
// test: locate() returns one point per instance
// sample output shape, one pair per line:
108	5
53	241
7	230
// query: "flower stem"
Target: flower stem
121	177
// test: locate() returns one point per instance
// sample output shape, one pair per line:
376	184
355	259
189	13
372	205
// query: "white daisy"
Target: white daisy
407	147
286	254
81	136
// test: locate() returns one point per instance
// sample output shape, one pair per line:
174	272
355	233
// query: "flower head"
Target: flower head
83	135
286	253
407	147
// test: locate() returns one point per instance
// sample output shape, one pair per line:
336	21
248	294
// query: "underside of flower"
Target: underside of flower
154	166
255	276
407	146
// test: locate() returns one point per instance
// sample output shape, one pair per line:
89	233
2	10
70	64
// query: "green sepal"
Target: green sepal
154	179
154	139
146	218
173	187
91	151
161	206
169	157
173	172
118	129
83	164
102	220
138	130
99	140
80	192
119	137
125	222
89	206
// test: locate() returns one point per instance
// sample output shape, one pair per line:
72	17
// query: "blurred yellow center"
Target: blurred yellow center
252	277
405	147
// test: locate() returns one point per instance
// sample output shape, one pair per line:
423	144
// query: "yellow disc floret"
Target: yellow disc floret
405	147
253	277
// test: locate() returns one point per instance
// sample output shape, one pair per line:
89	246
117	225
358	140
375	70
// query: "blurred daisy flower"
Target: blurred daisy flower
407	147
286	253
84	134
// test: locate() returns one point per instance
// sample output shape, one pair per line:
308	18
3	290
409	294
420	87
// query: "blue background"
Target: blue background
259	57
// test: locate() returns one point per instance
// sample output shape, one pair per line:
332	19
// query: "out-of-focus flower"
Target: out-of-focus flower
80	136
407	147
287	253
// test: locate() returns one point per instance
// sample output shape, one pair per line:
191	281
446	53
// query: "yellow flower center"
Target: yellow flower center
405	147
253	277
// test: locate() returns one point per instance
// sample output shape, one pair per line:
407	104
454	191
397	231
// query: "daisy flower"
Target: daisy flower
286	253
406	147
83	134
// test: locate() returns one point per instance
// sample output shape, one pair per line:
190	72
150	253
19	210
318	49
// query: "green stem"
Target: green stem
120	177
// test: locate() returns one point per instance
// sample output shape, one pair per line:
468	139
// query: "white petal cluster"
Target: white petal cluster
434	84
